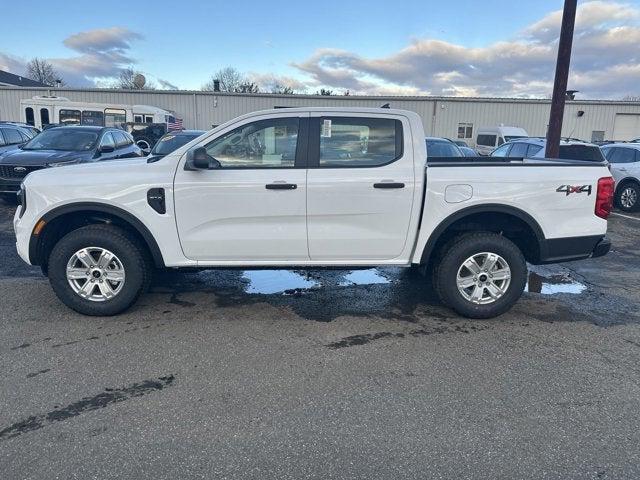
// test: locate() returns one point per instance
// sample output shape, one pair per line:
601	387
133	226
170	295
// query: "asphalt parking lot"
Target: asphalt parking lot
324	374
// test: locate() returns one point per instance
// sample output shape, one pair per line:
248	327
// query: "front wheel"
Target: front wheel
480	275
98	270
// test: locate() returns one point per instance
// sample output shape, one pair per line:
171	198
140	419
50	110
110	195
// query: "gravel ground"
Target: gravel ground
324	374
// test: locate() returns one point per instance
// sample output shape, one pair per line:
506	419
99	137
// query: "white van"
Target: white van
491	137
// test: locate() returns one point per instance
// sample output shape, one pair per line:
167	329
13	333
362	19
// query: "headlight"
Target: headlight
62	164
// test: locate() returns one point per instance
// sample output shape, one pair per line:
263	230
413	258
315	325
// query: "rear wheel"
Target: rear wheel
99	270
628	196
481	275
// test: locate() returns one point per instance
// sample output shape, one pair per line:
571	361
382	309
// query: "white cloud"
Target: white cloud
605	62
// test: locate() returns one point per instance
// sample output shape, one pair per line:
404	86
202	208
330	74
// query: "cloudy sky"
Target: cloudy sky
466	48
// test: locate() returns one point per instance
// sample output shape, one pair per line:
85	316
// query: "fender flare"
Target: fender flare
132	220
487	208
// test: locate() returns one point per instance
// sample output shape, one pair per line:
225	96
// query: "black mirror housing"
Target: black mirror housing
107	149
199	159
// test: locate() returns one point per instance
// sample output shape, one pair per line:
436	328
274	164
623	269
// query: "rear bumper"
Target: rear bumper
558	250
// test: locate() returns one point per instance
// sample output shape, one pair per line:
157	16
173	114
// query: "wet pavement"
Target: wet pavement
324	373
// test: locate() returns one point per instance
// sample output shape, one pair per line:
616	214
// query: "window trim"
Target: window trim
301	156
313	155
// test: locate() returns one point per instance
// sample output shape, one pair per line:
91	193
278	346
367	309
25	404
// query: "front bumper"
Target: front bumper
10	186
558	250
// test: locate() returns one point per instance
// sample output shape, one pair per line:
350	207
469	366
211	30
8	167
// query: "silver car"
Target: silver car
624	161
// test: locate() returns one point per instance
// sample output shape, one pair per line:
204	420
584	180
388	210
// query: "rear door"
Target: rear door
360	187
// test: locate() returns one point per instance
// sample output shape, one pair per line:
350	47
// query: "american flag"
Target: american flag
176	124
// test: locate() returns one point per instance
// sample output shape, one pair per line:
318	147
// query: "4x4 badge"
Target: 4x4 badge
569	189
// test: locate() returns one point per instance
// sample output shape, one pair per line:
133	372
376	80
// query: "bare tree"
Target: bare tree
131	79
40	70
230	80
631	98
325	92
282	90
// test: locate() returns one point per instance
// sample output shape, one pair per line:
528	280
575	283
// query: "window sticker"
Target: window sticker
326	129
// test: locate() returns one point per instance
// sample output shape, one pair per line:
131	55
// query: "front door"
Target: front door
253	206
360	187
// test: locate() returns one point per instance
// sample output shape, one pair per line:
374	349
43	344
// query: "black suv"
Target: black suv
61	146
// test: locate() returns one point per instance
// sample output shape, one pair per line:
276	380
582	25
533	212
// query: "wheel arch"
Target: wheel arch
517	225
66	218
625	181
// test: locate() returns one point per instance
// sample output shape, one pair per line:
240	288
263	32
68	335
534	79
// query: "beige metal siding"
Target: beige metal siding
440	115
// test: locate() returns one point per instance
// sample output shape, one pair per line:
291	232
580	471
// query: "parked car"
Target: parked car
62	146
11	137
624	161
172	141
491	137
438	147
310	187
30	130
536	147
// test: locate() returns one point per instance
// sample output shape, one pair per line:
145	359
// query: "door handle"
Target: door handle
388	185
281	186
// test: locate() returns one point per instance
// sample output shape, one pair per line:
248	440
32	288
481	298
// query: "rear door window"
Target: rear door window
107	140
358	141
503	151
621	155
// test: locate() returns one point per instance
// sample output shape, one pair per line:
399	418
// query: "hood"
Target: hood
41	158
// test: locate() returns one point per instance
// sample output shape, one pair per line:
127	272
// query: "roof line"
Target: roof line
381	98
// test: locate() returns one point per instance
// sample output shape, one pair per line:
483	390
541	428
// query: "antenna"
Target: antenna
386	105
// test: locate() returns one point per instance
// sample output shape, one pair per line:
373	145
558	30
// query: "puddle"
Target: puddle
363	277
550	285
268	282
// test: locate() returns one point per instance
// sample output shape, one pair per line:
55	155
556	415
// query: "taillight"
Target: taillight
604	198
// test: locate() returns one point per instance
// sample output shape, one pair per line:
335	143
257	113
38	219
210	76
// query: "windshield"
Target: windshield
169	143
63	139
441	148
513	137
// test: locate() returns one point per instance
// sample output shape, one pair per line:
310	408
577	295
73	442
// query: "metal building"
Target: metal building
451	117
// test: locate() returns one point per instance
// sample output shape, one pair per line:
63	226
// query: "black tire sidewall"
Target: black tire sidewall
635	206
112	239
471	245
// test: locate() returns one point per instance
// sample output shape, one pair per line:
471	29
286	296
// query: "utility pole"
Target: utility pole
562	76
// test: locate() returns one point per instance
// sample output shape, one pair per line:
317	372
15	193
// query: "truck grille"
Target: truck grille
16	171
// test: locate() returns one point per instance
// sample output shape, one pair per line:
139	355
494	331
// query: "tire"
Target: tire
628	197
129	260
476	246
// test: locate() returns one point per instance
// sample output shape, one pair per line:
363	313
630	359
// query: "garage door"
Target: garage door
626	127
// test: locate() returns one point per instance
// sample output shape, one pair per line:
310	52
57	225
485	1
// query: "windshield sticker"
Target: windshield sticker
326	129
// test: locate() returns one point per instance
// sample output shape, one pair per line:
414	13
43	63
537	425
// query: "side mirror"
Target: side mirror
199	159
145	151
106	149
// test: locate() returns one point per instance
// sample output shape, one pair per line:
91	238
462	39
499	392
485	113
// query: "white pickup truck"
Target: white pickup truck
311	187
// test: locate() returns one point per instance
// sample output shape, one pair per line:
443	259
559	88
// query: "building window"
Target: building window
114	117
28	112
597	136
70	117
91	117
44	116
465	130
